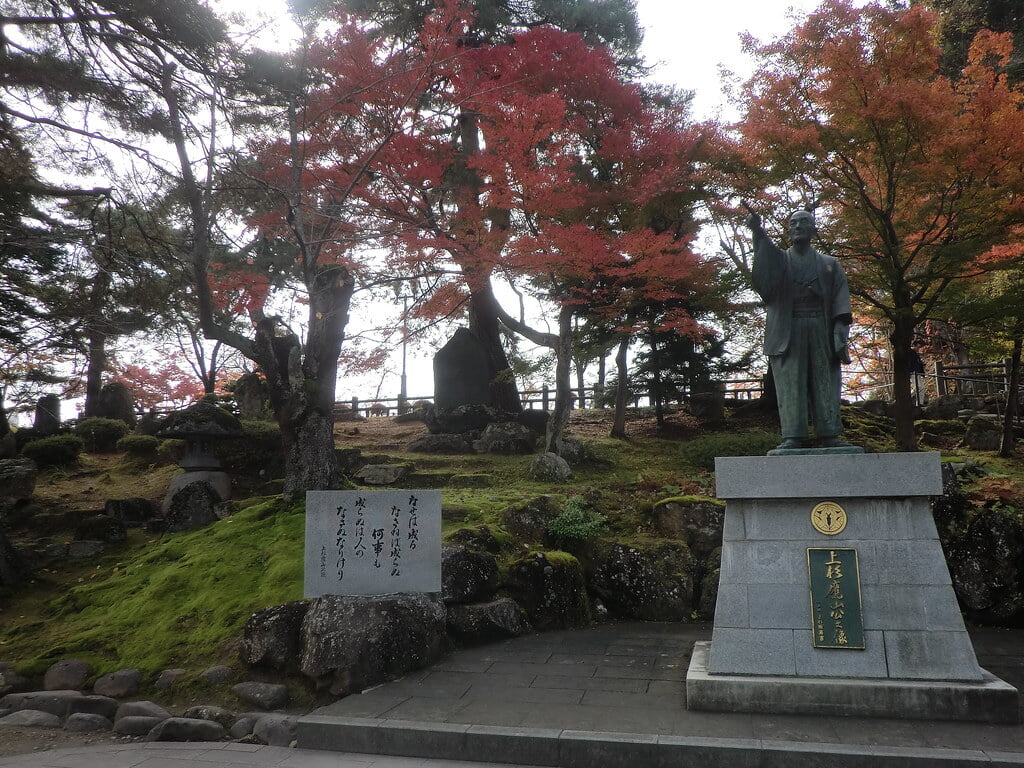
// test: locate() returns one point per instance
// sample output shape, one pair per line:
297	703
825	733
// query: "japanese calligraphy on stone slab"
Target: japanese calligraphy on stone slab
837	617
372	542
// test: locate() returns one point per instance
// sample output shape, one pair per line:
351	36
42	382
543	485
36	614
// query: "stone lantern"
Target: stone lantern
200	426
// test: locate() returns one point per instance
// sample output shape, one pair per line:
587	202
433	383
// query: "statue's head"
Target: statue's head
801	227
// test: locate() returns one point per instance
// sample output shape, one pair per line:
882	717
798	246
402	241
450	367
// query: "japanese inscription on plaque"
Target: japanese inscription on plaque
837	617
372	542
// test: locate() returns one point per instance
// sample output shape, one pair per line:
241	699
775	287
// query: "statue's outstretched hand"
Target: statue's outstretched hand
753	220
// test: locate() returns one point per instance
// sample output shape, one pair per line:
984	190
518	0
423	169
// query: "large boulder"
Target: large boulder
461	419
11	681
550	587
30	718
101	528
983	435
351	643
132	512
136	725
141	709
529	521
84	722
186	729
695	520
951	509
550	468
60	703
653	584
275	730
479	538
446	443
573	450
192	506
987	568
67	675
479	623
506	437
262	695
119	684
211	713
17	479
949	406
272	636
467	576
382	474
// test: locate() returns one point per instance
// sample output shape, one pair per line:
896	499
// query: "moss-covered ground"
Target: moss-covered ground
181	600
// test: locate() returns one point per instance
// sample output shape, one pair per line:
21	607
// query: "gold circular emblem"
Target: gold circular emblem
828	518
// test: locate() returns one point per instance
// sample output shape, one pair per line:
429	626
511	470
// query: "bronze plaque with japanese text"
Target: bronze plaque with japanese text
837	617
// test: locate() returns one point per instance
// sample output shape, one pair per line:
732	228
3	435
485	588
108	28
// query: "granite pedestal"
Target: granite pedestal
917	660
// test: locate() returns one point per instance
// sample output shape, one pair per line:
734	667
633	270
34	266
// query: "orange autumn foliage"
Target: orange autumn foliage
918	179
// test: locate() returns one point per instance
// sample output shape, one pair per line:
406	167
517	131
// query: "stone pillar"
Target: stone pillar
47	418
916	659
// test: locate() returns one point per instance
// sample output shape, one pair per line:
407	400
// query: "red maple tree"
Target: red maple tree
534	159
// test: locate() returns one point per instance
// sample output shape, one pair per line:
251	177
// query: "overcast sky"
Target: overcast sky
690	40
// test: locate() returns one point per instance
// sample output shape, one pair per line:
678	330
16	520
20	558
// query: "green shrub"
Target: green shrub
701	451
56	451
139	446
101	435
25	435
575	524
171	451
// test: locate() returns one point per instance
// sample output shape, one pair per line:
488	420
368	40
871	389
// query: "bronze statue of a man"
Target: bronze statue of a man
806	329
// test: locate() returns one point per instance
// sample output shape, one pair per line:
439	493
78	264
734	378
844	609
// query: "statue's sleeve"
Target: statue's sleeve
768	271
841	310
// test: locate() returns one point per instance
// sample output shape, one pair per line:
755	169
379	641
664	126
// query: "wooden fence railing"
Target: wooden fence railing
977	379
543	399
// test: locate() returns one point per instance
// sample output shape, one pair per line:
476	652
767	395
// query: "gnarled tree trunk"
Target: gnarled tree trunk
621	390
903	411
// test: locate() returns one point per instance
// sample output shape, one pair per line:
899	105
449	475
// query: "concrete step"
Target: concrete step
590	749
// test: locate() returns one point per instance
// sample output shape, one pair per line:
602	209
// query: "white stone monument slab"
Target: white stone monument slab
372	542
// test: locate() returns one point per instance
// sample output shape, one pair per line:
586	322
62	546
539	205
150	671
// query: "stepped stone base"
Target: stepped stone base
988	701
912	657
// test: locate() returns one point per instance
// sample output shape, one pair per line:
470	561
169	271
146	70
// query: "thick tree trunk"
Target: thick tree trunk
903	409
310	463
302	383
1009	442
621	390
96	364
581	369
483	323
559	419
656	388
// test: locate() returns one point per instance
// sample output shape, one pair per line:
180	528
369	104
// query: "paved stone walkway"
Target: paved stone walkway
603	697
226	755
614	693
